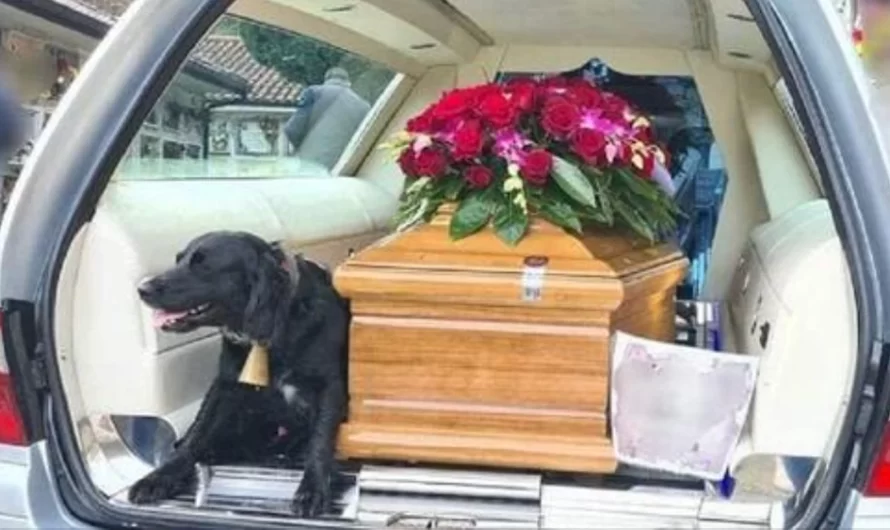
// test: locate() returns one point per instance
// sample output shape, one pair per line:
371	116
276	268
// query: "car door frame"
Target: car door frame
133	67
55	196
830	91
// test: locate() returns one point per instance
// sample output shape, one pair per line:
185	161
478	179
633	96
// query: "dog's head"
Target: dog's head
233	280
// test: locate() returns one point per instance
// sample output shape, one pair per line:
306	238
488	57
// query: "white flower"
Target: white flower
513	183
519	200
418	185
415	217
422	142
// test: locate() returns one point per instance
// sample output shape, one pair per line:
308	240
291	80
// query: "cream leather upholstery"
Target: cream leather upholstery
122	364
792	305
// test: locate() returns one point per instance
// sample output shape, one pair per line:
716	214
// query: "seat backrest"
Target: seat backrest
125	366
792	304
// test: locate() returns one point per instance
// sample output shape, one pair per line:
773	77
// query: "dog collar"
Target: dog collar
238	338
289	264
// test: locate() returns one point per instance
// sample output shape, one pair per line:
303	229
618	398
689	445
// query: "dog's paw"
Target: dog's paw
313	496
163	483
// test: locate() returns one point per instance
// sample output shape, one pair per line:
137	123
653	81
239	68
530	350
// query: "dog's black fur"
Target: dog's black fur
241	284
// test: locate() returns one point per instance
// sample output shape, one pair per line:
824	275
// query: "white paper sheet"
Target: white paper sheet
676	408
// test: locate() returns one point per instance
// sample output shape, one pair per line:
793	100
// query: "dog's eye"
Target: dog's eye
179	257
197	258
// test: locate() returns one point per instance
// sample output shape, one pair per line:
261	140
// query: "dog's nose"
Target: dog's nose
148	288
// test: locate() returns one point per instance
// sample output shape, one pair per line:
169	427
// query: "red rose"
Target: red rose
613	106
643	134
552	85
535	166
422	123
497	110
584	93
476	94
588	144
406	162
560	117
467	140
453	103
522	93
430	162
648	165
478	176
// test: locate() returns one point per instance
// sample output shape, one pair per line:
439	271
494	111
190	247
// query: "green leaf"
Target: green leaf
595	216
561	214
510	223
451	188
573	181
471	216
411	214
639	186
417	187
634	220
432	208
601	187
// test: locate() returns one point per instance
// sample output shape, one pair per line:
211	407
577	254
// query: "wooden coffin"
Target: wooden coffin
475	353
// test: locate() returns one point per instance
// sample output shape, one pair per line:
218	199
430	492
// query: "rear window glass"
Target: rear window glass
256	101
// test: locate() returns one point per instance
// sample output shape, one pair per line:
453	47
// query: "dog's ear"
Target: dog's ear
268	290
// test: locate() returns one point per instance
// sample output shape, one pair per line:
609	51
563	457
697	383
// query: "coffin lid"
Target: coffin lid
599	253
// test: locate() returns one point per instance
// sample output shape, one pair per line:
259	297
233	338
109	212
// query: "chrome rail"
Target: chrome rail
412	497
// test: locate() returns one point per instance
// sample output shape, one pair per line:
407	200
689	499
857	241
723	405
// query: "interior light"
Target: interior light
339	9
741	18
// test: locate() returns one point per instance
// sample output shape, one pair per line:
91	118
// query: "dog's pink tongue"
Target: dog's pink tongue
161	317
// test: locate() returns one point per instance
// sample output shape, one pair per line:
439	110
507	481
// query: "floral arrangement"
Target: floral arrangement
560	148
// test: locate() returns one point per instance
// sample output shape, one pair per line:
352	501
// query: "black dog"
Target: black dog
255	292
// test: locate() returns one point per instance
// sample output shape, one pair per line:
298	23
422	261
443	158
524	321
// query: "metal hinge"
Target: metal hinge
868	395
37	367
865	412
402	520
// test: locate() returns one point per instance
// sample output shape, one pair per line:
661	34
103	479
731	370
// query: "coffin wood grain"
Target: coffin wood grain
382	306
459	446
445	415
449	364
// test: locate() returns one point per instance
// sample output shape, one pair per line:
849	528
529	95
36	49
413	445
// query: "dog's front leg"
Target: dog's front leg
313	496
177	474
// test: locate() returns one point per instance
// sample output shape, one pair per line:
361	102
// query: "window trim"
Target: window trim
373	125
296	21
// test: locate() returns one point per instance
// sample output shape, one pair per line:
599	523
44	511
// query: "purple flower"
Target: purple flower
510	145
593	119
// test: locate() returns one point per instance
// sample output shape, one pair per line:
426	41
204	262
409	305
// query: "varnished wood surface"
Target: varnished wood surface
602	254
480	289
413	359
381	305
651	322
448	364
582	453
450	415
